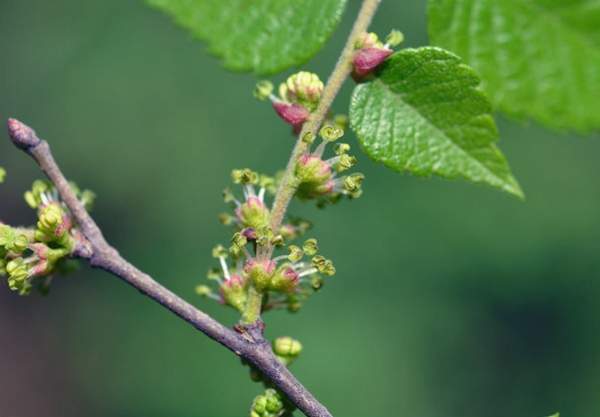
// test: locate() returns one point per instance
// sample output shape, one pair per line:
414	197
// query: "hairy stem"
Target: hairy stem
253	306
340	73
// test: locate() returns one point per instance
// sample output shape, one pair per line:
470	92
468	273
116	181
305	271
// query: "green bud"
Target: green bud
239	240
278	240
219	251
263	89
203	290
87	198
254	213
34	196
331	133
324	266
287	347
2	174
228	196
368	40
341	121
310	247
260	273
53	225
295	253
244	176
395	38
345	163
308	138
234	292
316	282
353	183
11	240
304	88
342	148
226	219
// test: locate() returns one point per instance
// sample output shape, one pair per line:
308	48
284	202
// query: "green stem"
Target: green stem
340	73
253	306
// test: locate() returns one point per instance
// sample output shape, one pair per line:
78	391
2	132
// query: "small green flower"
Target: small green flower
311	247
269	404
263	90
304	88
287	349
260	273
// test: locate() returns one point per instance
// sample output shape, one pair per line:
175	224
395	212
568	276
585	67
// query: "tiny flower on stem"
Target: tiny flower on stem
371	53
298	97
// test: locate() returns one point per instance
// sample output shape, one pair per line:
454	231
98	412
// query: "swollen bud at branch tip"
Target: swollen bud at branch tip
22	135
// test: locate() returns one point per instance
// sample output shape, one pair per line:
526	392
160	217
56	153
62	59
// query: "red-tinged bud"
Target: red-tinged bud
293	114
260	273
253	213
40	250
366	60
249	233
233	292
22	135
285	279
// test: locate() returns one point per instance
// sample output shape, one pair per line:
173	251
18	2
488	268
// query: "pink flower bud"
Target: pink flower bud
294	114
285	280
366	60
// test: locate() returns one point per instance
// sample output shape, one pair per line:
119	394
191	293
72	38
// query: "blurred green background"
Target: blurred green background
451	299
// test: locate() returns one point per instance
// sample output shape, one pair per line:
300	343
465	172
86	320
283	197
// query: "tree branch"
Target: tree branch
340	73
248	344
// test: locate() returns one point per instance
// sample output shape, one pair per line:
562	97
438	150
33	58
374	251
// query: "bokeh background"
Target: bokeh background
451	299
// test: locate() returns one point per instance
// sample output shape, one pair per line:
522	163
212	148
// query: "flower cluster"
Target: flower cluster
370	53
299	96
286	280
29	256
269	404
318	178
263	268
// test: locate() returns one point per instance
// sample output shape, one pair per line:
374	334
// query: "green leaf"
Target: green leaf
2	174
538	59
424	114
260	36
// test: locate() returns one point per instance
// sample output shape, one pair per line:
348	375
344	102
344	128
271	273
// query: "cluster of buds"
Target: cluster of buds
286	280
27	254
370	53
298	97
251	216
269	404
318	178
286	349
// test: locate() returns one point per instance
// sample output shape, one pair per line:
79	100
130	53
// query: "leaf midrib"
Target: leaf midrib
398	96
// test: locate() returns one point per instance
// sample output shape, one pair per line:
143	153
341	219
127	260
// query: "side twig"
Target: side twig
249	345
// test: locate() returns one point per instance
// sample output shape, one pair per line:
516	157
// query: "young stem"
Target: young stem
253	306
340	73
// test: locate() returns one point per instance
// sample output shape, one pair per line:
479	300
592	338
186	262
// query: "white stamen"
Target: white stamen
333	161
224	267
306	272
320	149
261	194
